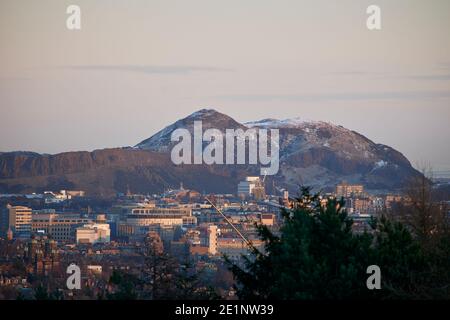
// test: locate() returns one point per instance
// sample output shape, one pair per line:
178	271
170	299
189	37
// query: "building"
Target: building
74	193
154	243
391	200
208	238
349	190
63	195
251	187
284	200
361	206
235	248
4	222
59	226
94	269
42	253
203	240
267	219
138	221
20	221
95	232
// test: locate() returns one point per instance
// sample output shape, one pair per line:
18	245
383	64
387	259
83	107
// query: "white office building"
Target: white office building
93	233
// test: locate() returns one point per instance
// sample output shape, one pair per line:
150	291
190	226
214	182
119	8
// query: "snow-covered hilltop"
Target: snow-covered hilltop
276	123
313	153
317	153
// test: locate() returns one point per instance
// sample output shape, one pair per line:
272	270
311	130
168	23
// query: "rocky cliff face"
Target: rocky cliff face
318	154
105	172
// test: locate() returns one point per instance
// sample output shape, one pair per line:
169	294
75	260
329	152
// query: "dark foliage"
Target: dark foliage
318	256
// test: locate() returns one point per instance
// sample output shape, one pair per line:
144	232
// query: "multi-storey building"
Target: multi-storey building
93	233
59	226
20	221
42	253
140	220
207	239
251	187
234	248
349	190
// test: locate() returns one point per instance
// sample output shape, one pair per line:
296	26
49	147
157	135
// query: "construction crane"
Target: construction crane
248	242
265	175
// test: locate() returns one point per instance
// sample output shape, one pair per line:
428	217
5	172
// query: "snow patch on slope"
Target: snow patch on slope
276	123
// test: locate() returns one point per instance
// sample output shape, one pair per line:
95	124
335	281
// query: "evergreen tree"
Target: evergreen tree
41	293
316	255
125	284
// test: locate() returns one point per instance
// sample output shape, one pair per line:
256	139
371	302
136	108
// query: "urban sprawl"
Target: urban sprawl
42	234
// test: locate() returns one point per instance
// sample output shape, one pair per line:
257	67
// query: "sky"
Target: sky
137	66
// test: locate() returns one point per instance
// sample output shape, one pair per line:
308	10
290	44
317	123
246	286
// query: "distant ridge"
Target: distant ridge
315	153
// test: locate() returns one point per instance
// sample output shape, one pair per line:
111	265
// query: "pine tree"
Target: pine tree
316	255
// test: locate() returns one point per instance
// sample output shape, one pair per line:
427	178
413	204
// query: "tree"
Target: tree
125	284
400	259
164	277
19	268
427	218
41	293
428	221
317	256
161	278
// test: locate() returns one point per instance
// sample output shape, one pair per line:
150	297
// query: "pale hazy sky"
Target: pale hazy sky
139	65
